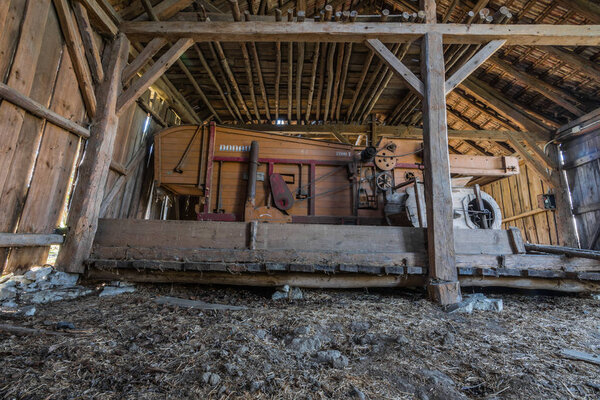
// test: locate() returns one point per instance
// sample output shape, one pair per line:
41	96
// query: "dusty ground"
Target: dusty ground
397	345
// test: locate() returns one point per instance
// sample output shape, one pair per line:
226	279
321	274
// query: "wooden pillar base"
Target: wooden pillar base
444	293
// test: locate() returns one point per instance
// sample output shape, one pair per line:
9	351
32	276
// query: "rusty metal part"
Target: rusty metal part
186	152
384	181
282	197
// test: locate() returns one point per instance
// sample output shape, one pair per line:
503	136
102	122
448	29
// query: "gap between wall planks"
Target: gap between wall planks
518	194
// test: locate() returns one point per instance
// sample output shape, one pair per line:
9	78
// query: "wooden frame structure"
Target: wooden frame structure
105	98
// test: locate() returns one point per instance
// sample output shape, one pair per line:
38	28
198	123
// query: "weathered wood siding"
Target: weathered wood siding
518	195
582	166
34	61
40	159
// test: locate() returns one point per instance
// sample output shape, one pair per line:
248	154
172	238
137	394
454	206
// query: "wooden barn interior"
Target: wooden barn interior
343	144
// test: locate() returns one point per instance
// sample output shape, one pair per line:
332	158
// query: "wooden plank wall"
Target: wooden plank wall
34	60
582	166
133	131
518	195
41	166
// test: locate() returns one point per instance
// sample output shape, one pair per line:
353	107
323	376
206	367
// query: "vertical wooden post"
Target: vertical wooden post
443	287
93	172
567	236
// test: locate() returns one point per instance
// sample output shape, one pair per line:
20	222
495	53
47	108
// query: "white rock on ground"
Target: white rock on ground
38	273
113	291
7	291
41	285
285	292
476	301
52	295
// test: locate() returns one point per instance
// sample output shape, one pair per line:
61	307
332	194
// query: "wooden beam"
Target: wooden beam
443	286
102	21
166	9
397	131
75	47
541	170
586	8
35	108
587	67
505	106
396	65
153	73
142	59
539	153
551	92
475	62
93	171
87	36
29	239
358	32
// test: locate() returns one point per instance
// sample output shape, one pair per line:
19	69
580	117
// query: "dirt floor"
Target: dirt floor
332	344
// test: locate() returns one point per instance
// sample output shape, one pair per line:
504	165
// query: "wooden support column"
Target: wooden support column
91	180
443	287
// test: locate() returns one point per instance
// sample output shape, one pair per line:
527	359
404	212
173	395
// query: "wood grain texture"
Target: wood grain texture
87	197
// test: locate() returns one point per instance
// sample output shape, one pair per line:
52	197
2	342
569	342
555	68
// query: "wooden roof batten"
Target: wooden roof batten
308	101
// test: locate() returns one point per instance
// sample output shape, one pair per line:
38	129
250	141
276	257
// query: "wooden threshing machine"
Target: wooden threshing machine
231	174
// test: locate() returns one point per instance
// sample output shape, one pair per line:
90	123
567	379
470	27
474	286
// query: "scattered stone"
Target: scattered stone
306	345
121	284
63	279
286	293
10	304
261	334
211	378
448	339
255	386
476	301
357	393
296	294
332	357
114	291
49	296
65	325
28	311
360	326
38	273
596	296
7	292
279	295
302	330
401	339
233	370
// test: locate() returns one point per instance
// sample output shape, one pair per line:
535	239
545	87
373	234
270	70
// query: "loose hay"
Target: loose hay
398	346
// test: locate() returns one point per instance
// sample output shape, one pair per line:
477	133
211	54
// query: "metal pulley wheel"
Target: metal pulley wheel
386	157
384	181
